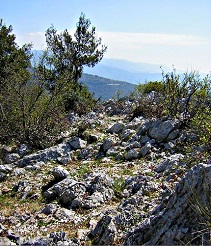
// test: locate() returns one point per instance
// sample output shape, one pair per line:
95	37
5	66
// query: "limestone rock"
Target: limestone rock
131	154
60	173
145	149
49	154
23	150
116	128
183	218
77	143
10	158
105	231
161	129
106	145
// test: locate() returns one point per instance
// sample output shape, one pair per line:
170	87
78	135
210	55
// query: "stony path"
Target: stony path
95	187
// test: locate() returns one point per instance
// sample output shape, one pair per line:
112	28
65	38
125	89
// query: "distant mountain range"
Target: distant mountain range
123	70
132	72
106	88
115	75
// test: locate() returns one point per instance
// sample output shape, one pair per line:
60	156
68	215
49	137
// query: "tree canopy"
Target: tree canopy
35	99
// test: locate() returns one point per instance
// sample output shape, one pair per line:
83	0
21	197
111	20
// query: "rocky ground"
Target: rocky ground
110	180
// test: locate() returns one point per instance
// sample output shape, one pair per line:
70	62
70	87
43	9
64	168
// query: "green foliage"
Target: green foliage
119	186
148	87
185	96
146	96
34	101
62	64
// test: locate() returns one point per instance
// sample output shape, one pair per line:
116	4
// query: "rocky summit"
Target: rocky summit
112	179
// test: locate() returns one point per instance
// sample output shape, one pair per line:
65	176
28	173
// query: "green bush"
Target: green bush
35	100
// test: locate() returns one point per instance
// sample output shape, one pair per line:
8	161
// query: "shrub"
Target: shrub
34	101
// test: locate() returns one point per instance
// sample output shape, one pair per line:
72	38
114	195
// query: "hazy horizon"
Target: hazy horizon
163	32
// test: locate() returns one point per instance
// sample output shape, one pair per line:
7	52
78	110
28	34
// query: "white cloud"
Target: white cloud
183	51
36	38
153	38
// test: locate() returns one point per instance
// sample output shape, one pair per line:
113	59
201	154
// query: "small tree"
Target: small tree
34	100
185	96
63	62
14	76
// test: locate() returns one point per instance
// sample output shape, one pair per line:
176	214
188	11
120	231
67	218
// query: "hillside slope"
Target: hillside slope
106	88
122	182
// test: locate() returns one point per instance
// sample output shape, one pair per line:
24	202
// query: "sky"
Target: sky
164	32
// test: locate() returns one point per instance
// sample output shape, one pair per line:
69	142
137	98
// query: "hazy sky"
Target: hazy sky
164	32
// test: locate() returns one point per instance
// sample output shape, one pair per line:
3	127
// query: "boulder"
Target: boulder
131	154
116	128
54	153
60	173
10	158
183	218
161	129
145	149
77	143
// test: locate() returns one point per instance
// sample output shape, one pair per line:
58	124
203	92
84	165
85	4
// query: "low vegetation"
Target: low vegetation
35	103
36	98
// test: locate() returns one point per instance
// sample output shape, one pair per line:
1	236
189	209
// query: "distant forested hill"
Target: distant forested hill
106	88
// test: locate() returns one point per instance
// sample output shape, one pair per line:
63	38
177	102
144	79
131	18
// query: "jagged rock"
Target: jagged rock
140	184
131	154
74	191
65	158
23	150
107	143
50	208
127	134
60	173
77	143
55	238
96	190
173	135
161	129
64	190
135	123
49	154
105	231
100	188
132	145
144	127
6	168
86	152
167	163
144	139
66	215
10	158
145	149
183	218
116	128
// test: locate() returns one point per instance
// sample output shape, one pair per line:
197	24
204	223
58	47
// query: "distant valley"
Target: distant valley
116	75
106	88
132	72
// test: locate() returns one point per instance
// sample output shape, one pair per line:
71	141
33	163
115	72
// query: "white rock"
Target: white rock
77	143
60	173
